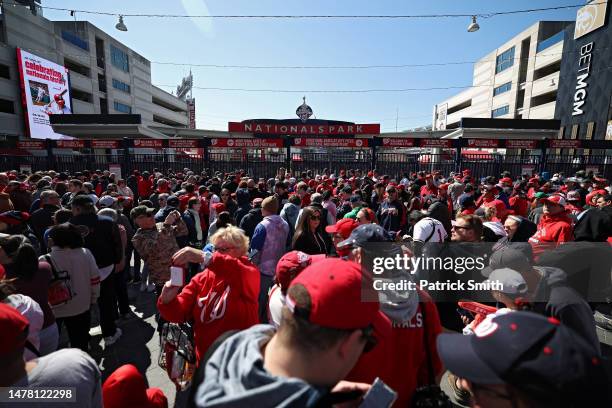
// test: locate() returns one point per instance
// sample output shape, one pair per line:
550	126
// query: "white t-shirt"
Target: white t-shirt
31	310
429	230
275	305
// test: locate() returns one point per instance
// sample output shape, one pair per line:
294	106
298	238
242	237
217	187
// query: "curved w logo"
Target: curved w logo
213	306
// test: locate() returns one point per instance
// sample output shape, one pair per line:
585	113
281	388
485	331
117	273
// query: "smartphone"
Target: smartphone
466	313
379	395
177	276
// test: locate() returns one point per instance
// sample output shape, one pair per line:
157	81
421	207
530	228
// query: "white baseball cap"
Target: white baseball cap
512	281
106	201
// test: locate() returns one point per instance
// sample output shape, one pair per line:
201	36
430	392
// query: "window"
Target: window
119	59
122	86
5	71
74	39
504	60
550	41
120	107
501	111
502	88
7	106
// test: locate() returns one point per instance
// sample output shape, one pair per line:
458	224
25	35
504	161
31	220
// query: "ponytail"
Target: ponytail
23	256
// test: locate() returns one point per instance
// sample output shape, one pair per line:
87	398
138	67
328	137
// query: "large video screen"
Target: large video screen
45	91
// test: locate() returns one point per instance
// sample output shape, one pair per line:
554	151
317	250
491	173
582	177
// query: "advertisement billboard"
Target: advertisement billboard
45	90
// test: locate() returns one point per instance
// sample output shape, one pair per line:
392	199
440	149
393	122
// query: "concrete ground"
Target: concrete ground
139	344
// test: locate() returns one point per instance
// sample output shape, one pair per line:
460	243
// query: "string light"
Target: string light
325	16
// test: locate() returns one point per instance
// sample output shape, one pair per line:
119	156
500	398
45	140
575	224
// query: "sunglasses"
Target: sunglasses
371	340
460	227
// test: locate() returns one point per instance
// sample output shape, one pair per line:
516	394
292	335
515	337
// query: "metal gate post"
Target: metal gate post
373	158
126	158
50	157
458	157
287	142
543	160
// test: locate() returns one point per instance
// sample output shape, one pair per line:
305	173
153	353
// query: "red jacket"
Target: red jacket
222	297
426	190
520	205
145	188
184	200
400	358
552	230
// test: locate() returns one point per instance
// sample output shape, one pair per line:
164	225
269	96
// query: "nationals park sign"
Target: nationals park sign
304	129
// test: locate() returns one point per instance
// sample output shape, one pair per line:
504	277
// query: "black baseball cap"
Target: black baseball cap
364	234
536	354
355	199
142	210
173	201
511	256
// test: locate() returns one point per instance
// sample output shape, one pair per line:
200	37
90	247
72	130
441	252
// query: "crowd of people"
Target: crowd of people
272	285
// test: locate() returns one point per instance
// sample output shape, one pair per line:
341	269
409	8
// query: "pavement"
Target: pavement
139	344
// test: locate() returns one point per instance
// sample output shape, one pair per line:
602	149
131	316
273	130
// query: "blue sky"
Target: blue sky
313	42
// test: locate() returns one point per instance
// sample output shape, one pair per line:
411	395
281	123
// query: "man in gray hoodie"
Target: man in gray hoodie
324	331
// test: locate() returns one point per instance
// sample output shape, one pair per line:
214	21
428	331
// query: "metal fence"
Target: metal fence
266	162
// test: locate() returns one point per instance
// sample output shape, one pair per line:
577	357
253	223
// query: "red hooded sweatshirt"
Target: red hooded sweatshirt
222	297
145	188
552	230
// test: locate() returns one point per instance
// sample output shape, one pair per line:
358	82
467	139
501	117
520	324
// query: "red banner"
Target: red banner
392	142
183	143
312	142
486	143
105	144
306	130
564	143
31	144
70	144
224	142
154	143
521	144
436	143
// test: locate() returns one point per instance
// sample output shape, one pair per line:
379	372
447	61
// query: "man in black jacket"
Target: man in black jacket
102	238
253	217
42	218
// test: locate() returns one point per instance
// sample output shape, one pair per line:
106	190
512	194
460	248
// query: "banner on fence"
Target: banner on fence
528	170
31	144
183	143
115	168
564	143
436	143
594	169
105	144
304	129
25	168
70	144
521	144
314	142
392	142
484	143
223	142
151	143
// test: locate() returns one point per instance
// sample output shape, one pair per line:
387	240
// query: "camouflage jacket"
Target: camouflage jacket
156	247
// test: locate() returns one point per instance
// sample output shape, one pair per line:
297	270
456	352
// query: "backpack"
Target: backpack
60	290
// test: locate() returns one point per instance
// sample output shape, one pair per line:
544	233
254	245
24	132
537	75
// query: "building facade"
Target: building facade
518	80
106	77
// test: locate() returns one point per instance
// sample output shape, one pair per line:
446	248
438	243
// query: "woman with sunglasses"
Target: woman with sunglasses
224	296
307	237
366	216
230	205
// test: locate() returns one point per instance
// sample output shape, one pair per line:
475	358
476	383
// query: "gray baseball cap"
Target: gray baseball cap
512	281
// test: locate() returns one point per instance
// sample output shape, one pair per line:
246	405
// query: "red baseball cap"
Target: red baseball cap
555	199
343	227
506	180
334	287
218	207
291	264
534	180
11	321
126	387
